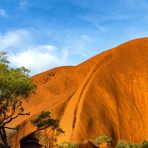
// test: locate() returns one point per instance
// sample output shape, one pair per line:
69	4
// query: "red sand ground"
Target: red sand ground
105	95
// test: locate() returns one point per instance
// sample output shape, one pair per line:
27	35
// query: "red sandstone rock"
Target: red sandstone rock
105	95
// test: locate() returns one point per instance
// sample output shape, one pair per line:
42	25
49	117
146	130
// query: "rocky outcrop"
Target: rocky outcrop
105	95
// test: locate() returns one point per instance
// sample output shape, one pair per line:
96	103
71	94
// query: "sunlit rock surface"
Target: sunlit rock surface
105	95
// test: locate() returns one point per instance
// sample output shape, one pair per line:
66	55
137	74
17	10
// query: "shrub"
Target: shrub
144	144
101	139
132	145
125	144
67	145
121	144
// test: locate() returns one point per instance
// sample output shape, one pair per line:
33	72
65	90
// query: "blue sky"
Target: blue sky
49	33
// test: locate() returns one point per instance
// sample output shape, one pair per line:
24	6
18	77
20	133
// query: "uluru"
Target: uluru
105	95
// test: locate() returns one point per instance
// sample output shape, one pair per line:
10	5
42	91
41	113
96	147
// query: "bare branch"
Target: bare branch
39	129
12	118
19	114
15	105
11	128
7	118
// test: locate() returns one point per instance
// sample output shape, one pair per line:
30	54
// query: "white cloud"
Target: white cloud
23	50
80	45
39	58
3	13
26	48
15	39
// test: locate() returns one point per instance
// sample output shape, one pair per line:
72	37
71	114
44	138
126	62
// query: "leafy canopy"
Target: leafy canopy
45	120
15	86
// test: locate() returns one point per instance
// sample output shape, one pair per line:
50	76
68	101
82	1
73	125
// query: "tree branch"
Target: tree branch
19	114
11	128
12	118
39	129
7	117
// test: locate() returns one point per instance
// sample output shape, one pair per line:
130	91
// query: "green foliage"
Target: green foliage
132	145
67	145
144	144
45	120
121	144
101	139
106	139
125	144
15	86
3	57
14	83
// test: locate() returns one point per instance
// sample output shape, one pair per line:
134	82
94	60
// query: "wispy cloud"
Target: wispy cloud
136	3
79	45
39	58
23	51
3	13
23	4
15	39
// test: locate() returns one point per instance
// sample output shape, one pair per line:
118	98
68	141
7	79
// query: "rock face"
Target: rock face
105	95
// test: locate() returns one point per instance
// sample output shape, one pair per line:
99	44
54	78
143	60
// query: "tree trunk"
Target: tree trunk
3	136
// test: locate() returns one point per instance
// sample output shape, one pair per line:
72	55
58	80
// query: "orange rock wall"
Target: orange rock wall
105	95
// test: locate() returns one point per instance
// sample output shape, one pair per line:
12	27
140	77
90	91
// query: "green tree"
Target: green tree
44	121
15	86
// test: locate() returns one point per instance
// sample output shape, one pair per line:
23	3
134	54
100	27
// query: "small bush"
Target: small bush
67	145
132	145
144	144
121	144
125	144
101	139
